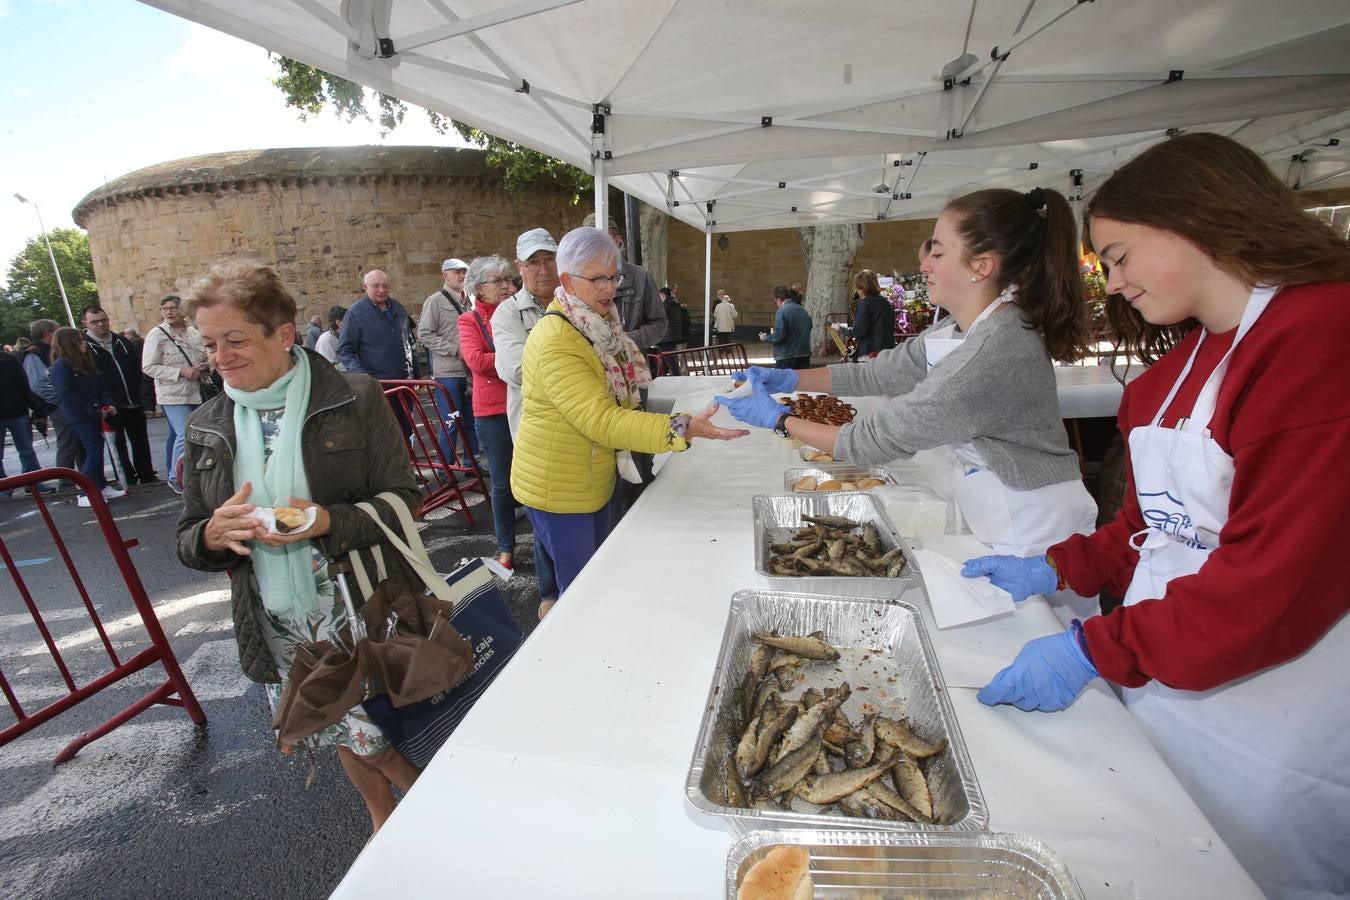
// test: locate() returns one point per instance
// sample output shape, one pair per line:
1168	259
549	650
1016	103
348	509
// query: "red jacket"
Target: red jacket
1277	581
475	348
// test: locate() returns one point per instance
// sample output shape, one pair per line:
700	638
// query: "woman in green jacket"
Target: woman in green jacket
580	417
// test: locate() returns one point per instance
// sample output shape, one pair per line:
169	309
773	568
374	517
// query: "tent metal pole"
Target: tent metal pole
707	287
601	192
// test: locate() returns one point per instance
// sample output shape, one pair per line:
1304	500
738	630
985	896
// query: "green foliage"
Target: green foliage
32	292
309	90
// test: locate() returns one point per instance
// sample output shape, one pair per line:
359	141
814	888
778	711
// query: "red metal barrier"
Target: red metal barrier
159	650
446	478
716	359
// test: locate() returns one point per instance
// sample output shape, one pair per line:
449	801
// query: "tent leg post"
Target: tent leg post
707	288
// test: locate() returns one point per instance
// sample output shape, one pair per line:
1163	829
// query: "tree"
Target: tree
32	292
309	89
829	252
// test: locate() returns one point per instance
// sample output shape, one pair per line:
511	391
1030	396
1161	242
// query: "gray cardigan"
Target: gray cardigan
996	391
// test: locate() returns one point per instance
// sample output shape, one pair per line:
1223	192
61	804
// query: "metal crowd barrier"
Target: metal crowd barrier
159	650
446	478
717	359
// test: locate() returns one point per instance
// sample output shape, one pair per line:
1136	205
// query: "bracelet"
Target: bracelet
679	425
1060	583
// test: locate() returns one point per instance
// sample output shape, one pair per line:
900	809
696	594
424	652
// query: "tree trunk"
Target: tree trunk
655	226
829	252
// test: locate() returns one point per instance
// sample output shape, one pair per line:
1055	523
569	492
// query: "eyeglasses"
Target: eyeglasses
601	280
499	281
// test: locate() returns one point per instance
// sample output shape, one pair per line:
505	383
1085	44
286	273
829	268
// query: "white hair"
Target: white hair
585	244
484	268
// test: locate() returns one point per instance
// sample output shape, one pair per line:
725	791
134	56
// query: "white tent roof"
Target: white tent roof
797	112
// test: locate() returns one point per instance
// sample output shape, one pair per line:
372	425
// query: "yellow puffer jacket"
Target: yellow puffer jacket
570	424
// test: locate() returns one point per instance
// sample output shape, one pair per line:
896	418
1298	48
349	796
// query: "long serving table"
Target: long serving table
1085	392
567	778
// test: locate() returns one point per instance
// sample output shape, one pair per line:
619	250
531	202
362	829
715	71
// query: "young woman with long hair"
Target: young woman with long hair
1005	265
1230	647
84	400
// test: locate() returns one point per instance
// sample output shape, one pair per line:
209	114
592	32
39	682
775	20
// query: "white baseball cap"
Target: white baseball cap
453	264
532	241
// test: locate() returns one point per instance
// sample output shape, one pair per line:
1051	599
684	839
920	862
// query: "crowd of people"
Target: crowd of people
544	375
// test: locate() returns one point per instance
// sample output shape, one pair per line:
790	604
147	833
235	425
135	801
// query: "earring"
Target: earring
973	279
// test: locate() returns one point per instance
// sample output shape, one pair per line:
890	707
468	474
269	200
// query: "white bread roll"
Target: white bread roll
783	874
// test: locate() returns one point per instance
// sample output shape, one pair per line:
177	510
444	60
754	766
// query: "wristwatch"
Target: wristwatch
780	427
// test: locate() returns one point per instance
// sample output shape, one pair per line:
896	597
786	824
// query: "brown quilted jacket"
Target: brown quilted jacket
352	451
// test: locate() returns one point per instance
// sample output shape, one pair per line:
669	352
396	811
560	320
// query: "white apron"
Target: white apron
1267	757
1022	523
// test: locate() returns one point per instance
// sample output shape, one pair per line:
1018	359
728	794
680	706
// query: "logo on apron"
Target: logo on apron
1168	514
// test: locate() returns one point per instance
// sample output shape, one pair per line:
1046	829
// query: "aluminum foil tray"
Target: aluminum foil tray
889	663
778	516
839	471
875	865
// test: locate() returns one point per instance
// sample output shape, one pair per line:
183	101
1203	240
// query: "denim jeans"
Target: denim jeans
458	389
22	429
90	434
177	414
495	435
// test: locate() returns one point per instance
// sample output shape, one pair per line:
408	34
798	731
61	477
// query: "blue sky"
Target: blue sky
93	89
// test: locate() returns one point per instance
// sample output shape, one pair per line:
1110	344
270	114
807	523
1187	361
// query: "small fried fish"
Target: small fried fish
831	521
898	734
806	647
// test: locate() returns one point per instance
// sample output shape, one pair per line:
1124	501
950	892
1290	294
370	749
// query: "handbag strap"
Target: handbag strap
412	548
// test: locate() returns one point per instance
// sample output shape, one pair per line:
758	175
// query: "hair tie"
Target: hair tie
1035	198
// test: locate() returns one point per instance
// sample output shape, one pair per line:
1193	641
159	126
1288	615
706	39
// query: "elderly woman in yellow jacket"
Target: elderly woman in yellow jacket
579	388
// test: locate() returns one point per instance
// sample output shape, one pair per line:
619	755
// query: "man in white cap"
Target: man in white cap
536	261
515	317
438	330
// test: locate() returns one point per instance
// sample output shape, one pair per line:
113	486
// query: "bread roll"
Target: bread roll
805	483
288	518
784	874
868	483
832	485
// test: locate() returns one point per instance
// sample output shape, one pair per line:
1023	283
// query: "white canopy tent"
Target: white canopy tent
769	115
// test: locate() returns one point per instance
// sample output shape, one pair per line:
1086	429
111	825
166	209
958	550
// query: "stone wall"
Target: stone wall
321	217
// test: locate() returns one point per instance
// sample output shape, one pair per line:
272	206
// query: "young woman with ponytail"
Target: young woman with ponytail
1230	648
1005	265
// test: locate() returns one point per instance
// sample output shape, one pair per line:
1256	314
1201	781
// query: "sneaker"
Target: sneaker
173	486
46	487
82	501
112	493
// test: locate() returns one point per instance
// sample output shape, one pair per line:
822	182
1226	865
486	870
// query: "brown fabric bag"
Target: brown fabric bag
424	656
322	686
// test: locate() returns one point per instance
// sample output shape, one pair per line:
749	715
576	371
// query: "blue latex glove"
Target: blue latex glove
1020	576
758	409
778	381
1048	674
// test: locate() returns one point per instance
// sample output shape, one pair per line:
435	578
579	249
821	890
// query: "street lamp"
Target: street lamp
52	256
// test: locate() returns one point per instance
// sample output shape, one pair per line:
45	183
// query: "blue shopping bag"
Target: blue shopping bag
483	618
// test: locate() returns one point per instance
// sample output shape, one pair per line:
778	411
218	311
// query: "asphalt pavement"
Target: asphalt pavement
159	807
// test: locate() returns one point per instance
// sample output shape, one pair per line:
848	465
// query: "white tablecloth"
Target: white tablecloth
567	779
1085	392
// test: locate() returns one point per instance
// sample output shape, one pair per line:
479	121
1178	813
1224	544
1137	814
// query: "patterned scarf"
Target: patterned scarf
625	367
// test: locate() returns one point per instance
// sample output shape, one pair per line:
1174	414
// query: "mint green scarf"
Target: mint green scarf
285	574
